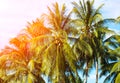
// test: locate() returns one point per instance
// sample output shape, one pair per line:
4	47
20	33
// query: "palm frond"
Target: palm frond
117	78
116	67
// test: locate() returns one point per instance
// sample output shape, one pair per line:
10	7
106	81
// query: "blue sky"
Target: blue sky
14	15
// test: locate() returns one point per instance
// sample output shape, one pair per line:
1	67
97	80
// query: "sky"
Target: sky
14	15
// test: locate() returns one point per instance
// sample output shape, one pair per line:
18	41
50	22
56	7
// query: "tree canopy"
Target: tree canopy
59	46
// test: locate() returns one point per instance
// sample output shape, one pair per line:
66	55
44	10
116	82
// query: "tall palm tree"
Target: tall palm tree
86	18
59	60
100	49
90	24
20	62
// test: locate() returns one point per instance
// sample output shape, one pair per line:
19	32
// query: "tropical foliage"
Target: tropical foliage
61	45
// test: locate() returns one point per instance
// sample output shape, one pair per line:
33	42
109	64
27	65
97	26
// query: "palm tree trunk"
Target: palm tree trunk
86	72
85	79
97	71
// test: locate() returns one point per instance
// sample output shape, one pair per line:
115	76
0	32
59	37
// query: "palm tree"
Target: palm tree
20	62
91	28
100	48
87	17
59	60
